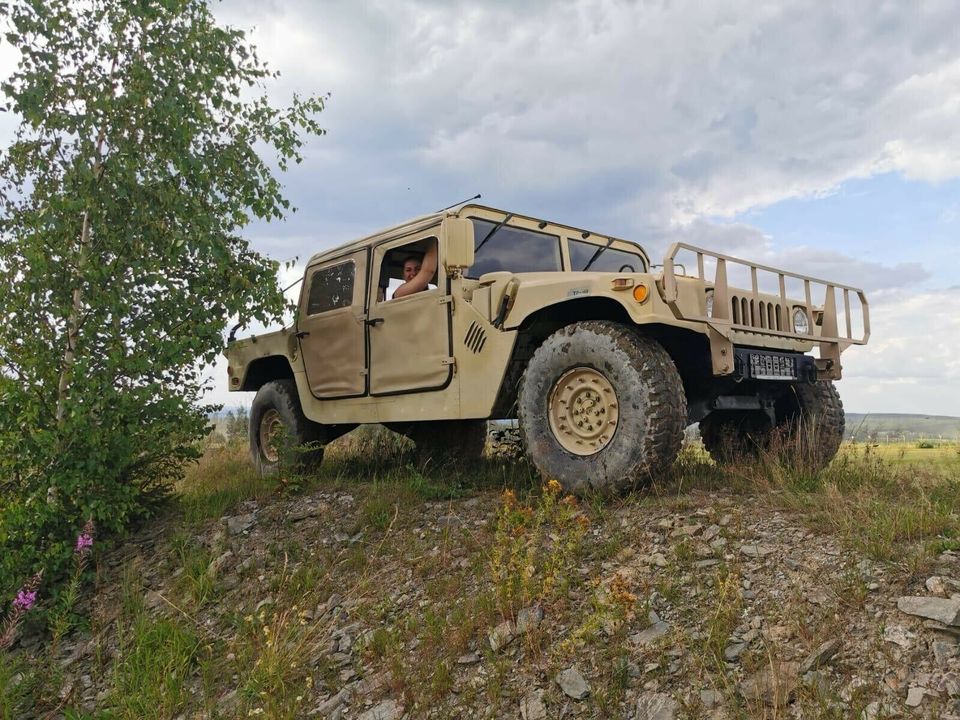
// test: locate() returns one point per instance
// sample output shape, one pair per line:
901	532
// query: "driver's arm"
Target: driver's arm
428	269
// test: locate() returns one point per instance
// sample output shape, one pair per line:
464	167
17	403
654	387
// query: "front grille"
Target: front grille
758	314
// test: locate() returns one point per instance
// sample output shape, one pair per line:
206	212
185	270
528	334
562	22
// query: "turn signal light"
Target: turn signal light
641	293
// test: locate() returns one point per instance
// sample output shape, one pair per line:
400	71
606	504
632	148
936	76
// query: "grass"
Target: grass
155	659
14	690
942	456
535	548
195	580
214	485
884	508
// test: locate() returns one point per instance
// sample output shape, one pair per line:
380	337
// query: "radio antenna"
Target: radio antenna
475	197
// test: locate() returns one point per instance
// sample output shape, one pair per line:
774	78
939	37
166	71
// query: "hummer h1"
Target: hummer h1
602	358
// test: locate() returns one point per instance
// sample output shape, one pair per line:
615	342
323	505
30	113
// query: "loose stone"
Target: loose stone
572	683
656	706
501	636
942	610
532	707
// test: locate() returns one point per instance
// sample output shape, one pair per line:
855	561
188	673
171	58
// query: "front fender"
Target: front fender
569	293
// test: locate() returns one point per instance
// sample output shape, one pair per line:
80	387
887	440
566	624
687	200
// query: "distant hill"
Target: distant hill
894	426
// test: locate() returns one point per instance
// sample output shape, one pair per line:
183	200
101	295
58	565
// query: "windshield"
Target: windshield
603	258
512	249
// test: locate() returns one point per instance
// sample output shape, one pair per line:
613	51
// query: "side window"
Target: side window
512	249
401	264
331	288
597	258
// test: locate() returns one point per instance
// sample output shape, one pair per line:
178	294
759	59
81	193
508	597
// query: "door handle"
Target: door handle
302	334
373	322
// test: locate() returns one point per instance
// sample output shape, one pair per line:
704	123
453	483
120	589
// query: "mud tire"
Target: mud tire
650	401
278	399
810	427
735	436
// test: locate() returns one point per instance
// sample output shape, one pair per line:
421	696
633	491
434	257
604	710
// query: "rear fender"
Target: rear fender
263	370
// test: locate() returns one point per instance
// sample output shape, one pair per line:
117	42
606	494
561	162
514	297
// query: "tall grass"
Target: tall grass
155	659
882	508
214	485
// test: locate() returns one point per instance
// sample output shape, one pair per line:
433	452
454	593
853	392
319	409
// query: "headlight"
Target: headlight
709	303
801	325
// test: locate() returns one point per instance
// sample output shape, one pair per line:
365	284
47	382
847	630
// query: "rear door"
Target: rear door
330	326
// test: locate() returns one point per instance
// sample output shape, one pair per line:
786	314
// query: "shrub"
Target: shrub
123	195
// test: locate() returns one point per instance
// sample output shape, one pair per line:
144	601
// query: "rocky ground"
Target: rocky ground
349	602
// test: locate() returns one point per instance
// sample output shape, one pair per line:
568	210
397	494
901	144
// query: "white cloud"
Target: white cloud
690	109
651	120
912	363
646	119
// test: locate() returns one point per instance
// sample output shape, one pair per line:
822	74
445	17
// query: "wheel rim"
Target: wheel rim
270	425
583	411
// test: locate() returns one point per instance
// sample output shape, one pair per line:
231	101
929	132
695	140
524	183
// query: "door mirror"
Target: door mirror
457	234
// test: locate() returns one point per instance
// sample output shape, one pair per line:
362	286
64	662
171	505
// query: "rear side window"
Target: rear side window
586	256
331	288
512	249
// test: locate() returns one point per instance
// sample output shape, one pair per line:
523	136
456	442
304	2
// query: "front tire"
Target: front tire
809	428
280	434
601	408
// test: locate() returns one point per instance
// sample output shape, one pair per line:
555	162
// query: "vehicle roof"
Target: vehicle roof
569	230
404	228
425	221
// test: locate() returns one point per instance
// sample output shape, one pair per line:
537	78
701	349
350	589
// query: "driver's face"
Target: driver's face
410	269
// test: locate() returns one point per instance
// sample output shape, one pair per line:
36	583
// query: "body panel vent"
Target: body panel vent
475	338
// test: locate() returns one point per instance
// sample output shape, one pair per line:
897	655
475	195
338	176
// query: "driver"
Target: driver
417	274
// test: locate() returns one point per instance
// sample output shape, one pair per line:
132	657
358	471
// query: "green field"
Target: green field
942	456
893	427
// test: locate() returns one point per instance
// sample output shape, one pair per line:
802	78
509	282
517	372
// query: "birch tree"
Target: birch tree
145	145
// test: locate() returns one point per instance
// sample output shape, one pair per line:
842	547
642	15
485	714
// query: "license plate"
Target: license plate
772	367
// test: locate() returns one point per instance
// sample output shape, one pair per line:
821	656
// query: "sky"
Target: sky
821	137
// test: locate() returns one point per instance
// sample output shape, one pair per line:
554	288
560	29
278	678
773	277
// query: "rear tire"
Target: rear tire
275	416
601	408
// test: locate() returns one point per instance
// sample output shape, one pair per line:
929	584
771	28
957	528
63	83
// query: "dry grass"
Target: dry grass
537	548
887	510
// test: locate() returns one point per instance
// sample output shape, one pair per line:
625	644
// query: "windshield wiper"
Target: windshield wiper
493	230
597	254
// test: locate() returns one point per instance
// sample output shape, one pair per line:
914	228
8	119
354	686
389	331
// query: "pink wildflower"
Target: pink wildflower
85	539
25	599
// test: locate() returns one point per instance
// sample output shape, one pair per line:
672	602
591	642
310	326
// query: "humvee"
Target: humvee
603	358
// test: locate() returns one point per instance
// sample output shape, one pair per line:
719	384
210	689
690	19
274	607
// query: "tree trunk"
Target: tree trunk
73	323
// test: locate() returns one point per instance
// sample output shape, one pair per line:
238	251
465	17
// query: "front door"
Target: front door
409	337
330	326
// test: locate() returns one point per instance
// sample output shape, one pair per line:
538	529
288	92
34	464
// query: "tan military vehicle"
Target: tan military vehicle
603	358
